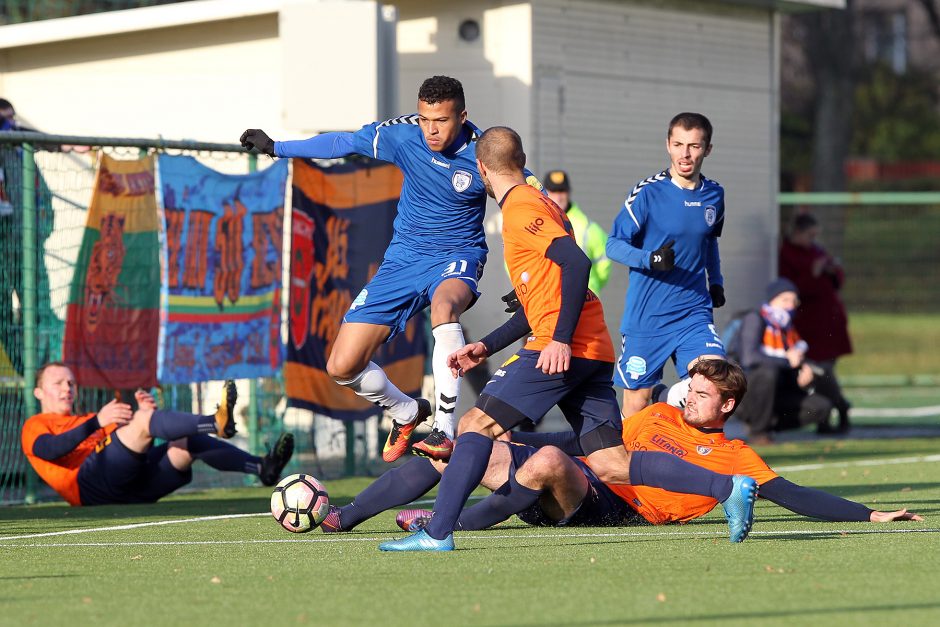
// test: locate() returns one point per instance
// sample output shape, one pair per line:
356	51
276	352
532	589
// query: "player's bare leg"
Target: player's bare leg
562	484
450	299
179	454
634	401
350	366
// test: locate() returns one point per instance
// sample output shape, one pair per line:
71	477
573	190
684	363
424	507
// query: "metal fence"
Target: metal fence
45	187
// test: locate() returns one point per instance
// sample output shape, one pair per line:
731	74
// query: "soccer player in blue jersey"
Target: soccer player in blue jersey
667	234
435	258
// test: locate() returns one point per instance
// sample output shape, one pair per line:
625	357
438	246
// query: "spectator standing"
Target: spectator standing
821	319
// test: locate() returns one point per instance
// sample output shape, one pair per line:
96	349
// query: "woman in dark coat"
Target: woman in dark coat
821	319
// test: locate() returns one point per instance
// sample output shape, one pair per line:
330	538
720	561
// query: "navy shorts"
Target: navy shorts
114	474
600	508
405	284
519	391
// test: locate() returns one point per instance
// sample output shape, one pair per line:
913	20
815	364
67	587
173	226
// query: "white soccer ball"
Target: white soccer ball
299	503
678	393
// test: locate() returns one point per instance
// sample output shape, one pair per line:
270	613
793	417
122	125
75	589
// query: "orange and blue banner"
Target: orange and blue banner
221	293
341	224
113	315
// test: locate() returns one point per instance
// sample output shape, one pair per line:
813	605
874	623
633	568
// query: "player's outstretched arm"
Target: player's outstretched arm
818	504
901	514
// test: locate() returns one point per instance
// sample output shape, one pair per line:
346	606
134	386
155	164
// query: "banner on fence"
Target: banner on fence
222	286
341	224
112	319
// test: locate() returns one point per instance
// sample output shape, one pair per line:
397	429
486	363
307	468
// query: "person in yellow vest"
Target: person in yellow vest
591	237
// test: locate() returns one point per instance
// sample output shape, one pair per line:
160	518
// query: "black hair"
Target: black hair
441	88
689	121
804	222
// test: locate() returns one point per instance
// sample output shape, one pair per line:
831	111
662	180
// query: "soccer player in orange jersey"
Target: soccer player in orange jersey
108	457
568	360
571	494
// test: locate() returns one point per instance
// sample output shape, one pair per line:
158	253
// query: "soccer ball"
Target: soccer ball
299	503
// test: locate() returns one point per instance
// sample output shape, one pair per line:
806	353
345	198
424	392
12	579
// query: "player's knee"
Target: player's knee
443	312
179	455
140	422
544	467
342	367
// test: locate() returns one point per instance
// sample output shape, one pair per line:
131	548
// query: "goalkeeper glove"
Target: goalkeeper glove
664	257
512	302
255	138
717	293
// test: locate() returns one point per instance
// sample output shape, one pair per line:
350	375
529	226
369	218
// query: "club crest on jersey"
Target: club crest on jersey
461	180
710	215
703	450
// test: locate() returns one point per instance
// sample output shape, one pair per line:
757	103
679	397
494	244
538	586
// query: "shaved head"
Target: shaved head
500	150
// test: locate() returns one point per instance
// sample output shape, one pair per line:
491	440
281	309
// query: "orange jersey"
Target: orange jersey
531	222
660	427
61	474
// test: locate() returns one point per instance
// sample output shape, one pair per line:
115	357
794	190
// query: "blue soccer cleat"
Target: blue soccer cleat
419	541
739	507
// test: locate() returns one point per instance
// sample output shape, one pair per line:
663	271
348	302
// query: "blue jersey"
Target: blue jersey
655	212
442	199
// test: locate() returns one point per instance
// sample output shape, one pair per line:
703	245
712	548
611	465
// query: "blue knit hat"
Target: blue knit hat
779	286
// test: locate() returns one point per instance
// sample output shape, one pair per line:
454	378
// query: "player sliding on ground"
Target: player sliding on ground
108	457
566	492
435	258
568	360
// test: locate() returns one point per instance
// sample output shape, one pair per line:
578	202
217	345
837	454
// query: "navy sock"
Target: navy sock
396	487
511	498
463	474
221	455
662	470
172	425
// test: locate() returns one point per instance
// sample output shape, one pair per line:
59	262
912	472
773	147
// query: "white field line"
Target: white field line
891	412
159	523
323	538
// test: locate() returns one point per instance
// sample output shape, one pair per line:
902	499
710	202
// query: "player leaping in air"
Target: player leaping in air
435	258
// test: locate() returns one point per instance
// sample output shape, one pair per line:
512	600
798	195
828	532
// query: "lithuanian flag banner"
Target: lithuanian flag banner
222	290
113	316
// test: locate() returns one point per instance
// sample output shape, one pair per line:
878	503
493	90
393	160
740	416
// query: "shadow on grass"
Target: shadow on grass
760	615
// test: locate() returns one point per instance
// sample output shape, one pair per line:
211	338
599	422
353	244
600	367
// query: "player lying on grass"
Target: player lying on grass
567	493
108	457
567	361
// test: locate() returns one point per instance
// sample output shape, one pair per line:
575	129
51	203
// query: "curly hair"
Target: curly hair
440	88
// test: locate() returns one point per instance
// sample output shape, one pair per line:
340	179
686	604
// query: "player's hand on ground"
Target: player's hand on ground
717	292
466	358
554	358
115	412
663	258
256	138
145	399
901	514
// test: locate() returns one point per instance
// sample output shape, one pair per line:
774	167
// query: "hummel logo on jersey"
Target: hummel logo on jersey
693	203
535	226
440	163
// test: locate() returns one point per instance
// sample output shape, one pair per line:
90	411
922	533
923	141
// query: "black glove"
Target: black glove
512	302
664	257
255	138
718	295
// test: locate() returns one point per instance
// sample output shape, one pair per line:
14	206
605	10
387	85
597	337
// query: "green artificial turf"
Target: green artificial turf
248	571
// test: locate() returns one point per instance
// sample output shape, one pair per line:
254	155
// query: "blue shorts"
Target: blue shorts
518	391
405	284
114	474
600	507
642	359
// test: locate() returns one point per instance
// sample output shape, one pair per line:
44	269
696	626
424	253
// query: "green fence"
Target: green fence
45	187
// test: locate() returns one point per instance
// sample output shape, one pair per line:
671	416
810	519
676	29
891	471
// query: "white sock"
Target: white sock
373	385
448	337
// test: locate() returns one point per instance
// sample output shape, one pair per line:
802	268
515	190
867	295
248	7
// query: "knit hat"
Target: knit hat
779	286
557	181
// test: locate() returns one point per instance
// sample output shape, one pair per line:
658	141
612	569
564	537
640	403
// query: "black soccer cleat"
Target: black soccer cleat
276	459
225	414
